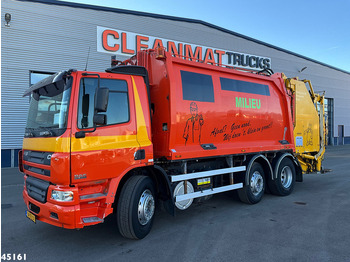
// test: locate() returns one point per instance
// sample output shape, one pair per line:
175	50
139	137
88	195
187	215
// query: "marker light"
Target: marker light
62	195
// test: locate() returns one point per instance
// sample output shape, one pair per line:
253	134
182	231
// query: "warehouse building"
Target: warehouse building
41	37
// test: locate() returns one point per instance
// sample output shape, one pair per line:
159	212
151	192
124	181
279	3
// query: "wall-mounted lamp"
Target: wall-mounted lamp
7	19
301	70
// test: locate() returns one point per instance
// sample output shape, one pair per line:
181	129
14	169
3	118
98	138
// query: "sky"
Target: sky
317	29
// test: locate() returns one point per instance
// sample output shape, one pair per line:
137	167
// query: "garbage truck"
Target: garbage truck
160	131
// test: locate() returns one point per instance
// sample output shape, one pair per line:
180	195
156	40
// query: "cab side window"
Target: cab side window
118	104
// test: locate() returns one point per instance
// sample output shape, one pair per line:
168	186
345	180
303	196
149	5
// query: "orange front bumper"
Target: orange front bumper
57	215
88	207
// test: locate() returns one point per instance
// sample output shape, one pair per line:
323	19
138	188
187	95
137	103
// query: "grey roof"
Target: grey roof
174	18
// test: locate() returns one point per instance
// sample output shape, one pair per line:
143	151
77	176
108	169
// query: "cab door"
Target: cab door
107	151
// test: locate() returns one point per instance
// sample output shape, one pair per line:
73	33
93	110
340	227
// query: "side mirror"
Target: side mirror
100	119
101	100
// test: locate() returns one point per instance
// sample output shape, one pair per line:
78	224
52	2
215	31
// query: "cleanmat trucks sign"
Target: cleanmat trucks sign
119	42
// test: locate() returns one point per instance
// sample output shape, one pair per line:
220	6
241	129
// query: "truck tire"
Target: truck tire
136	206
254	191
284	183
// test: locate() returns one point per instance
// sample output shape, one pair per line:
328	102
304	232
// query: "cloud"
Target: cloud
332	48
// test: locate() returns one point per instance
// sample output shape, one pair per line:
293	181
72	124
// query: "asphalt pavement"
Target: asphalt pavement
312	224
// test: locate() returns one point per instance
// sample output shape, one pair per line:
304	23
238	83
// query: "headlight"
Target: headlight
62	195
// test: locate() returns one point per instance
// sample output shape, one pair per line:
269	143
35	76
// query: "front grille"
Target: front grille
37	188
37	170
37	157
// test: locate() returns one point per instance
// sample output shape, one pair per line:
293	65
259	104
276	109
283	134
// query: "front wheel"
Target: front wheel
254	191
136	207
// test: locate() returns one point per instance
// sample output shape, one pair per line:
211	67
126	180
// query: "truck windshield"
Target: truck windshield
48	109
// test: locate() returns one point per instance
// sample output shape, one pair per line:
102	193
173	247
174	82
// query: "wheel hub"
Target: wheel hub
286	177
256	183
146	207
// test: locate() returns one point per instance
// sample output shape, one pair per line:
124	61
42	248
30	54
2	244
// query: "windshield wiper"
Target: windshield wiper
47	132
29	134
41	131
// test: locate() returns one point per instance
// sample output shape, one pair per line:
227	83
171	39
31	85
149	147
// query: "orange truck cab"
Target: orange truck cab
157	130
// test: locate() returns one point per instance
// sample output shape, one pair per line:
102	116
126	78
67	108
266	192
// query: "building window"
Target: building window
197	87
35	76
118	103
329	116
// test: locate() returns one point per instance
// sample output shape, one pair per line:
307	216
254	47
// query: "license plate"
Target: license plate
31	216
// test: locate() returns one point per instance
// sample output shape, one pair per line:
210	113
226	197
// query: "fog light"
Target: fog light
54	215
62	195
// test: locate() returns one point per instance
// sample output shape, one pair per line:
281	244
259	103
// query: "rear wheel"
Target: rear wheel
254	191
283	185
136	207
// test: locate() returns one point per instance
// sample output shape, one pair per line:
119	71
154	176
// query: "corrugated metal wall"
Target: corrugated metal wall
49	38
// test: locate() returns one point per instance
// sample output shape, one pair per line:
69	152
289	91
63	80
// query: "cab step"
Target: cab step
88	220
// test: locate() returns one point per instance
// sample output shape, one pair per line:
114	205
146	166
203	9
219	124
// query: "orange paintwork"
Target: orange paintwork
103	157
88	156
232	130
